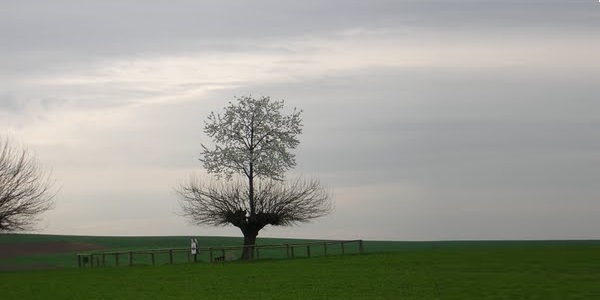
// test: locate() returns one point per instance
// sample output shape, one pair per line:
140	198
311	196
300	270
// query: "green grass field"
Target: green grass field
391	270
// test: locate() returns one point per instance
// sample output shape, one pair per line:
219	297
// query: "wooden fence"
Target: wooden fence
217	254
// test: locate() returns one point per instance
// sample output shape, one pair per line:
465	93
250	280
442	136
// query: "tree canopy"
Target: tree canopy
252	138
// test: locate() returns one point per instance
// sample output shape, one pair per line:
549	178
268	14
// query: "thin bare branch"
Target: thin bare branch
25	189
278	203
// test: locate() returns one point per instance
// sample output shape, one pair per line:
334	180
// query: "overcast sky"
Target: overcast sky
427	120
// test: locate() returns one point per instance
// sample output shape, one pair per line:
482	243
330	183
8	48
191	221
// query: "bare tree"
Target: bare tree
25	189
277	203
252	140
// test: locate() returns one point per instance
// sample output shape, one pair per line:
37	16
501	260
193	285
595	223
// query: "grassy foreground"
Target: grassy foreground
451	270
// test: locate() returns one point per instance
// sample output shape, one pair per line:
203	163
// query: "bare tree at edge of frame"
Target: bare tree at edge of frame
25	189
252	142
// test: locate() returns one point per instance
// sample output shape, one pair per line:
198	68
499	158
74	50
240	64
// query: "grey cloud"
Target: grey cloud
99	28
59	37
453	127
8	102
102	26
17	104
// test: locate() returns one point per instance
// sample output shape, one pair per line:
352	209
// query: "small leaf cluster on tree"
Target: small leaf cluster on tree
249	158
25	189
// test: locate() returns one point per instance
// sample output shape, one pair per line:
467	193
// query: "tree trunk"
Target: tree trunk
249	240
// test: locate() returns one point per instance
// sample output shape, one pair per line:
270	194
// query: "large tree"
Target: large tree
25	189
250	154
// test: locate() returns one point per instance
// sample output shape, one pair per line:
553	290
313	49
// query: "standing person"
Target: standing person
194	248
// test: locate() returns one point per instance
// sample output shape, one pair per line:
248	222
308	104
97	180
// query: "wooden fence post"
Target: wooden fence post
360	247
210	250
308	250
171	256
152	256
325	248
342	243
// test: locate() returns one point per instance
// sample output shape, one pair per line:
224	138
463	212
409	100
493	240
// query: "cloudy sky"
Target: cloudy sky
428	120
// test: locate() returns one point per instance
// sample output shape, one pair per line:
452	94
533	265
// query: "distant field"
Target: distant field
140	243
429	270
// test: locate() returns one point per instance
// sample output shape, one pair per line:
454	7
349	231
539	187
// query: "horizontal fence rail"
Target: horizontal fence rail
217	254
